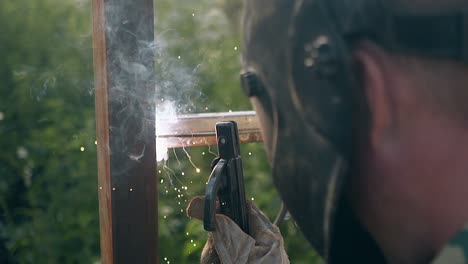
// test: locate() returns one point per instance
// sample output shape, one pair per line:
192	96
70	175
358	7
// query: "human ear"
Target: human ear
375	77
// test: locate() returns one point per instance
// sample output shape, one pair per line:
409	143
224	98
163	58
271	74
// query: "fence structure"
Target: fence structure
123	32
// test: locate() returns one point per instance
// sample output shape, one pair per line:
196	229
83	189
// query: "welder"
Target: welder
364	113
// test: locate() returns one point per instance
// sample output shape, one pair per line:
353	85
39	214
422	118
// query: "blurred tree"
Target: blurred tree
48	185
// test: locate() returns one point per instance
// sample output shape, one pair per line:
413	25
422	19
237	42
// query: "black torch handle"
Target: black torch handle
227	180
215	183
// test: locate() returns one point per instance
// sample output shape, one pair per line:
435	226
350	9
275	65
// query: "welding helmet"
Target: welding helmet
298	71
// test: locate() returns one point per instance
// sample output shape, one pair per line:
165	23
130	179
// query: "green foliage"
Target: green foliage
48	181
47	185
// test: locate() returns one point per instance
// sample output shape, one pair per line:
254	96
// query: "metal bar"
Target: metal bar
123	32
194	130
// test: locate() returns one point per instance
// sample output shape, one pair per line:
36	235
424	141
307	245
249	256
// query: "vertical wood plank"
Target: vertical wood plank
123	35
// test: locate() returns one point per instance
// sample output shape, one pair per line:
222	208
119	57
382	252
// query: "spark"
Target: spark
235	48
170	172
177	158
169	177
190	158
250	153
211	152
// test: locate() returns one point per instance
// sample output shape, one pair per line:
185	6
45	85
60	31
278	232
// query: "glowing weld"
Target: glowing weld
166	116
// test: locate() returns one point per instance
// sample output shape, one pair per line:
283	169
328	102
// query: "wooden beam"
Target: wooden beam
123	35
194	130
208	140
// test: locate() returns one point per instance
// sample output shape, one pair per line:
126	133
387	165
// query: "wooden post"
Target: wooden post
123	35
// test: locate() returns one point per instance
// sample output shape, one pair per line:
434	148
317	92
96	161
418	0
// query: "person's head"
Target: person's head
364	110
410	186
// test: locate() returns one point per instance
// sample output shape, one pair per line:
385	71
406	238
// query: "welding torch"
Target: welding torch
226	182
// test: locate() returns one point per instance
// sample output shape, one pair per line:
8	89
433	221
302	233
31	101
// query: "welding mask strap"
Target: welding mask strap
440	36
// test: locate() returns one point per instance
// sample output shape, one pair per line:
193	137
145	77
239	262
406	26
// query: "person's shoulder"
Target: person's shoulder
456	250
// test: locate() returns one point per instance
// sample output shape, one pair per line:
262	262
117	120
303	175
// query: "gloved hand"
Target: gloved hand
229	244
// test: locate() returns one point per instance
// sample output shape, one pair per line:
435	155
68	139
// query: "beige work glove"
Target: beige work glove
228	244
